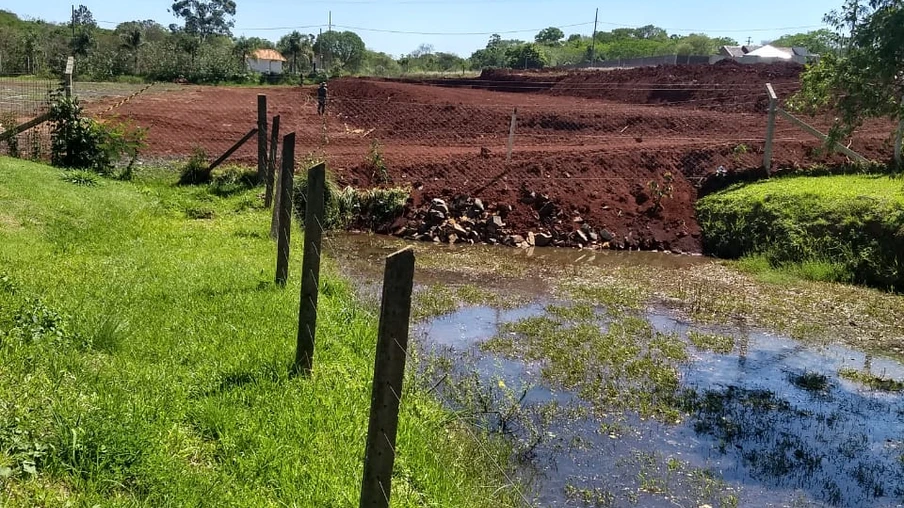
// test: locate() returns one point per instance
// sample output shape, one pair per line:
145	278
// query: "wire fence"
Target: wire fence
23	98
695	130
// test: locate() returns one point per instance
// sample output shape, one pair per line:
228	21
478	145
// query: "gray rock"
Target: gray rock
606	235
436	217
478	205
547	210
579	237
440	206
495	224
531	239
460	231
593	236
542	239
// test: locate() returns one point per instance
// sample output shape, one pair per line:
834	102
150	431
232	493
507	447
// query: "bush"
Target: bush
82	143
196	170
836	228
232	179
332	217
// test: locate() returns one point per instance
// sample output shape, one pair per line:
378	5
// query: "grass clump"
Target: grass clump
145	361
811	381
196	170
721	344
835	228
872	381
81	178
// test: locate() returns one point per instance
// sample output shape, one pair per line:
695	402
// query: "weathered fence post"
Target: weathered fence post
67	78
271	162
770	128
511	138
261	137
310	268
285	209
389	372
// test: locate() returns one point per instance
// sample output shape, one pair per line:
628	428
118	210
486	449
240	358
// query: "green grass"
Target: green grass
846	228
145	359
875	382
720	344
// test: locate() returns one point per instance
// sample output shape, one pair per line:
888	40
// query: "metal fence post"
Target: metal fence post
511	138
389	372
770	129
261	137
310	269
271	162
286	177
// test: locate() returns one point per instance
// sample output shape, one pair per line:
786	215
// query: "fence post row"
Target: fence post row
511	138
261	137
286	177
389	372
271	162
770	129
310	268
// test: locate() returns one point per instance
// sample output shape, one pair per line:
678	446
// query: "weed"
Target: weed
660	191
811	381
196	170
200	213
80	178
377	164
8	120
872	381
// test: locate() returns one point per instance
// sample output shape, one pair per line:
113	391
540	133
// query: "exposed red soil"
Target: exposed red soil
592	141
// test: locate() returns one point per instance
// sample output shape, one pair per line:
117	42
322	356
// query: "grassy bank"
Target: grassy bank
835	228
144	353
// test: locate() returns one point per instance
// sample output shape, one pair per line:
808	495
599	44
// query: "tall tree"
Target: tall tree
551	35
133	41
83	26
295	45
821	42
205	18
866	79
342	50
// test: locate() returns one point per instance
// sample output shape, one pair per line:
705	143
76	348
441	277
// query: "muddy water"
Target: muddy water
755	432
838	446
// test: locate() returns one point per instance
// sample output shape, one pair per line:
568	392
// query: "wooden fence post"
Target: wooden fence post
285	209
899	137
261	137
511	138
770	128
389	372
271	162
310	269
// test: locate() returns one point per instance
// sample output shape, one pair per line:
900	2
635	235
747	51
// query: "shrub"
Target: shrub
8	120
232	179
82	143
196	170
332	218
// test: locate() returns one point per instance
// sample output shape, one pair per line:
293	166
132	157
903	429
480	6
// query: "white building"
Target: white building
266	61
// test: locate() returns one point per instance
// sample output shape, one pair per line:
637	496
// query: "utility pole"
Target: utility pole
596	18
749	40
72	21
330	23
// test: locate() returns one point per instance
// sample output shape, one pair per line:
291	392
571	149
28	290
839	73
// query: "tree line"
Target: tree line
202	48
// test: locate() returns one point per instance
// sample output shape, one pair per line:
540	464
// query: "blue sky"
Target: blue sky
471	21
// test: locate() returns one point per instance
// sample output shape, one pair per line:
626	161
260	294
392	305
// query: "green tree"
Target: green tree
205	18
549	36
865	80
341	50
821	42
651	32
133	41
525	56
83	26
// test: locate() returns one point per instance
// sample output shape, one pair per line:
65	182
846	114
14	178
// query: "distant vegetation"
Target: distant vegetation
202	48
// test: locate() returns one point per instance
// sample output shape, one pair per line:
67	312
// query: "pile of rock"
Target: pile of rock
468	220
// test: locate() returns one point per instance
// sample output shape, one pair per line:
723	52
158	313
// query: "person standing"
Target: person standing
321	99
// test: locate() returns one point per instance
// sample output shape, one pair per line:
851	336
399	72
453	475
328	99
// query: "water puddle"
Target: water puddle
766	422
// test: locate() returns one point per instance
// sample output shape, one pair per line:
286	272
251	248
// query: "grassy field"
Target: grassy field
145	356
833	228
